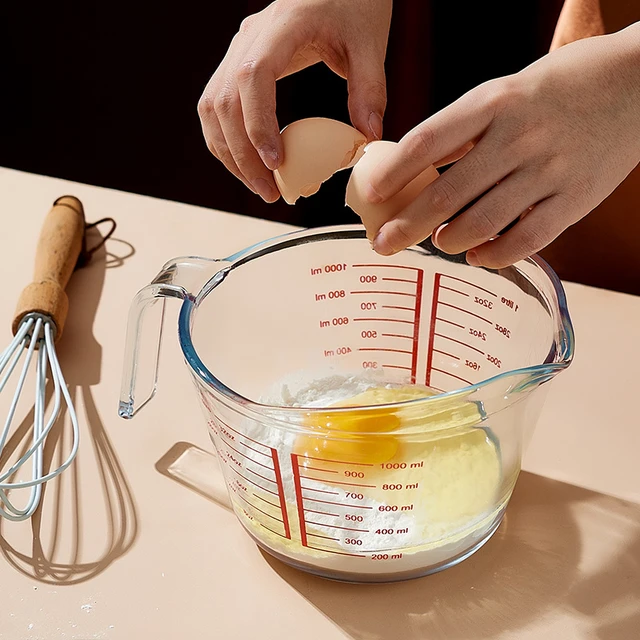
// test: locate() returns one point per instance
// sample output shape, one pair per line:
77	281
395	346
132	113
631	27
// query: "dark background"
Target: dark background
106	93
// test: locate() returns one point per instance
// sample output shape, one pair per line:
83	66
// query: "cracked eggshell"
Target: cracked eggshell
314	149
373	216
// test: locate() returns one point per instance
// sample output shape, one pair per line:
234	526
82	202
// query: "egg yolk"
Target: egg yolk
336	433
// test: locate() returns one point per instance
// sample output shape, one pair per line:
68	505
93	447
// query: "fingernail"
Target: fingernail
269	156
472	259
375	125
371	194
265	190
434	236
381	245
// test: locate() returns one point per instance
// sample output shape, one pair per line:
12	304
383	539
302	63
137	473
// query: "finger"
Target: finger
535	231
487	217
266	61
218	146
456	155
367	88
229	112
442	134
466	180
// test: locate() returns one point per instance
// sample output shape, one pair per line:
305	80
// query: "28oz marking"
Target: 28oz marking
503	330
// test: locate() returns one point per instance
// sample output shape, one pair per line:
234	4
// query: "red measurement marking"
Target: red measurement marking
317	535
318	469
255	495
455	324
471	284
244	455
382	320
444	353
391	266
432	328
391	306
399	280
263	477
453	306
396	366
448	373
464	344
258	509
348	484
298	487
416	325
361	464
255	484
382	349
340	504
324	513
392	293
246	437
272	531
462	293
340	553
335	493
283	508
396	335
335	526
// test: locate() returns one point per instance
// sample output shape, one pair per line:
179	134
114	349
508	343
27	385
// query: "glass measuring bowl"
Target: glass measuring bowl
369	492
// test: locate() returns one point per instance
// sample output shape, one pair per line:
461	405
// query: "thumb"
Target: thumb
367	87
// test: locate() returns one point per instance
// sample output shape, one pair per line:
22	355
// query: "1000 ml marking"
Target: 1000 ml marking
328	268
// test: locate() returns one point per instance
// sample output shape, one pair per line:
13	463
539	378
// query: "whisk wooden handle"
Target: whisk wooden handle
57	253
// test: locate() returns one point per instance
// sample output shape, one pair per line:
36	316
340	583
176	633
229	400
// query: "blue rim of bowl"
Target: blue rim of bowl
559	357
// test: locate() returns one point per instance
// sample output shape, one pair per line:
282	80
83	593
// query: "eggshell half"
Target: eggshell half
314	149
375	215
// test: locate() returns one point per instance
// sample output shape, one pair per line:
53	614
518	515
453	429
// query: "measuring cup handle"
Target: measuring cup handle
178	279
140	372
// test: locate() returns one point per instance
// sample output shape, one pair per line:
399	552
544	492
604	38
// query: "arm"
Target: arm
542	147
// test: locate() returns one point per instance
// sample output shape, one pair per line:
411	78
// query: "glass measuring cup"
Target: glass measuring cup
379	490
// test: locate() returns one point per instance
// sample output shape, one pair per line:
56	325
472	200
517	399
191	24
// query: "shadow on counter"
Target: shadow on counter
532	566
77	532
536	563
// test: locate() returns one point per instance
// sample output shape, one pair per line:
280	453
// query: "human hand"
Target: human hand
542	147
238	107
